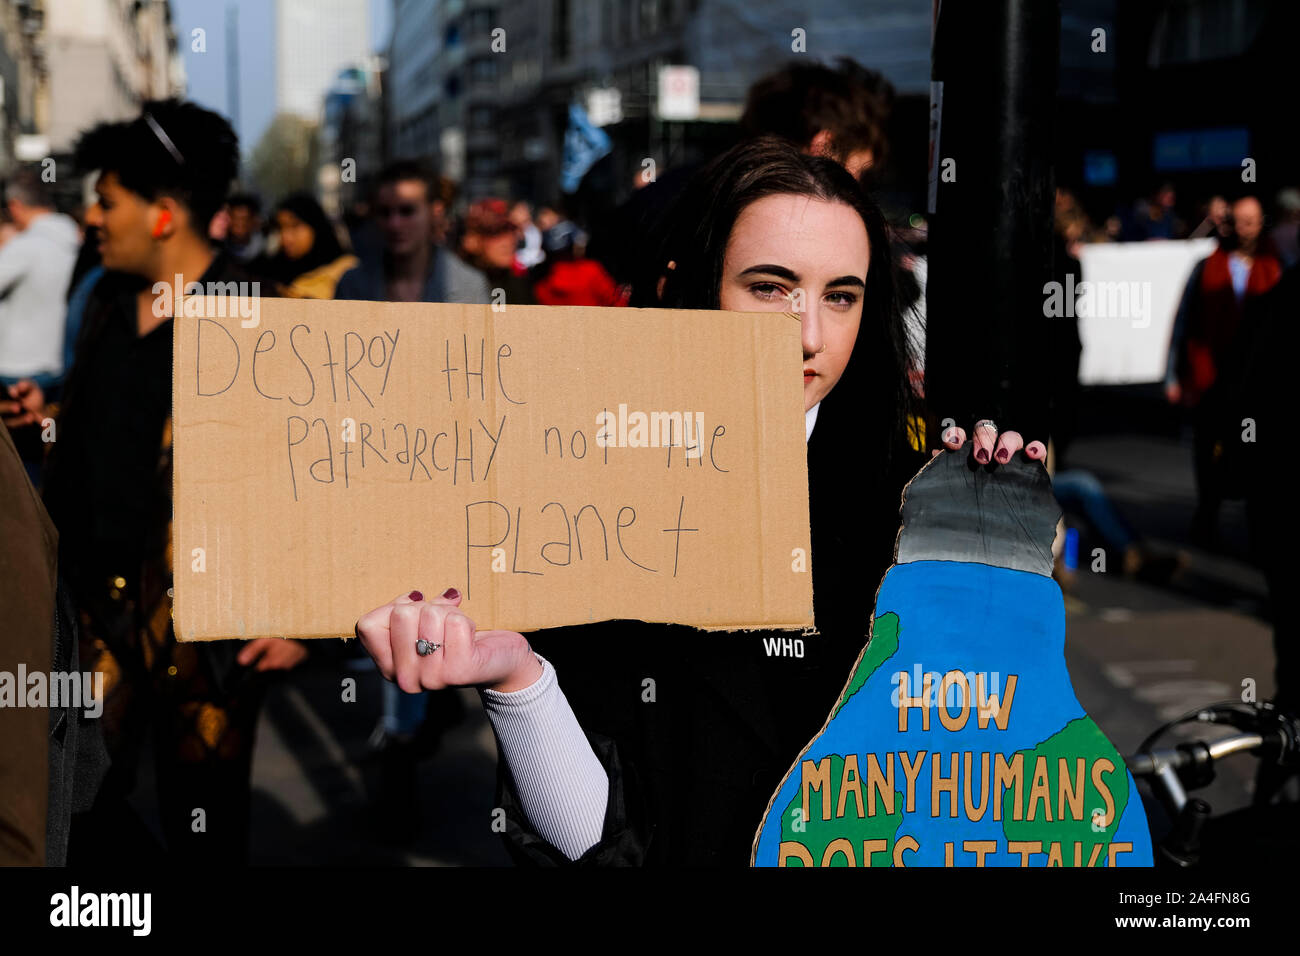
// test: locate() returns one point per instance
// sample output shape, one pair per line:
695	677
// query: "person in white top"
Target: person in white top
35	268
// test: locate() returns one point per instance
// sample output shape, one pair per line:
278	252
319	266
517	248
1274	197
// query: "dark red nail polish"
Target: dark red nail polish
1004	456
982	456
450	594
416	596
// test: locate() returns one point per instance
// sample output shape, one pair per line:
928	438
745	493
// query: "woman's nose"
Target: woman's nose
810	328
95	215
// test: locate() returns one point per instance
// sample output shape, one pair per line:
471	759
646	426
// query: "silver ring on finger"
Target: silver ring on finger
987	422
425	648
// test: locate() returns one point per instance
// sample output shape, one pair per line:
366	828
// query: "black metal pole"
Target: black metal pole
994	71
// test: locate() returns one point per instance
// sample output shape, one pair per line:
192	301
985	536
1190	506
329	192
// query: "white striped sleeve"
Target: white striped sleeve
562	786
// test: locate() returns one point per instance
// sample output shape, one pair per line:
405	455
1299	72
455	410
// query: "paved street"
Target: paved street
1141	655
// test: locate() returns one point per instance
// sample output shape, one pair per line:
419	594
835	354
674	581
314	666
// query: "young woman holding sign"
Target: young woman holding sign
666	743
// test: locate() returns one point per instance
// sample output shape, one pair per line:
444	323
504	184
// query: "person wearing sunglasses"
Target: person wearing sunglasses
412	266
409	208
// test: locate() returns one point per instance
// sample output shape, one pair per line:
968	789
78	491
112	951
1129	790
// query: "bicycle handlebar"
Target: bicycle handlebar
1186	755
1261	728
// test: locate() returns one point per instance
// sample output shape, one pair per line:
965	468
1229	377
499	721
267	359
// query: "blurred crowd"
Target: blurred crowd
534	256
1252	250
1157	217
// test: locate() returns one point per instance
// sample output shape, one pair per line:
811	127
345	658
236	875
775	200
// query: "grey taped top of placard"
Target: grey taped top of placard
957	510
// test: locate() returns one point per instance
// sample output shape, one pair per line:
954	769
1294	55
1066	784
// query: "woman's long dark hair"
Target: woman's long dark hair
872	404
325	247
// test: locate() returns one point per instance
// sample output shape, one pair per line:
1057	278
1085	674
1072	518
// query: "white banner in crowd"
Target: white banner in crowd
1126	304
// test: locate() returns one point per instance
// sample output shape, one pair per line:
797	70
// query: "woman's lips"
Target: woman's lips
808	375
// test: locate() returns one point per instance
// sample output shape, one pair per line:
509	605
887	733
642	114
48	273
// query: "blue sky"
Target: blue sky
206	72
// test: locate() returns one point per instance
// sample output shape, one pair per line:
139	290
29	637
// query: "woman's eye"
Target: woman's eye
843	300
767	290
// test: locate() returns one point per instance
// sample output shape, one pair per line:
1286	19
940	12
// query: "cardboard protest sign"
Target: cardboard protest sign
556	465
958	740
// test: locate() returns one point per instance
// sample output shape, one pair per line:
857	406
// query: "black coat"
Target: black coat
1255	384
692	771
107	481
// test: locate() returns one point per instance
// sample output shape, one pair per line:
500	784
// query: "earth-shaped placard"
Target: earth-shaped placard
958	740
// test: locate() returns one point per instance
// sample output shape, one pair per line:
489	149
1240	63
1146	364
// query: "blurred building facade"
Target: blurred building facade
23	81
484	86
352	135
68	64
1176	91
104	58
314	40
414	93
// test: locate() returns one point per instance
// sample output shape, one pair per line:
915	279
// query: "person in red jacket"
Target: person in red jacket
1239	271
567	277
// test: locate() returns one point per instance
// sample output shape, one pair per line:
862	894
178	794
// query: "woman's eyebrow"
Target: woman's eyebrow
847	280
771	270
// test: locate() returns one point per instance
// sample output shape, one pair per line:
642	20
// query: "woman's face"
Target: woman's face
791	253
296	237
